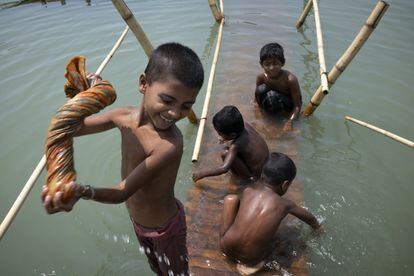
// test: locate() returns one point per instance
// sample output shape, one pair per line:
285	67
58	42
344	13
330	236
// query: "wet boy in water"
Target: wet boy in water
249	222
277	90
247	152
152	147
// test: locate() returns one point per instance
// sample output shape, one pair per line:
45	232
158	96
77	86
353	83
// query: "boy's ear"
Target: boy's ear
143	83
285	185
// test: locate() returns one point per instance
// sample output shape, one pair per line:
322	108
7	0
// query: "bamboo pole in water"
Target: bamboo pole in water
214	10
139	33
321	52
382	131
41	165
304	14
349	54
203	118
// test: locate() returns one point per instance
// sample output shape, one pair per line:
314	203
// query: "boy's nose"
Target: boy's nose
175	113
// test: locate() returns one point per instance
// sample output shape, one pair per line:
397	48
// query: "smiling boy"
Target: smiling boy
152	147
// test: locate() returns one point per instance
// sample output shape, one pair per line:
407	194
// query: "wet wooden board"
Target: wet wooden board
205	199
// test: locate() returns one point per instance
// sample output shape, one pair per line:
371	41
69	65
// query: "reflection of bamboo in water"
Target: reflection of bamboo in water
349	54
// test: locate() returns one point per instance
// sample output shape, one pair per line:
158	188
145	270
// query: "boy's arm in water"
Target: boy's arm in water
225	167
150	167
303	215
296	97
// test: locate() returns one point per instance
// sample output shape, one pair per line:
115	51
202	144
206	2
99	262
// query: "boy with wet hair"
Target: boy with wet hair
277	90
249	222
247	152
151	147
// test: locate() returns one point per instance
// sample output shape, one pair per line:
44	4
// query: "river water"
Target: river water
358	182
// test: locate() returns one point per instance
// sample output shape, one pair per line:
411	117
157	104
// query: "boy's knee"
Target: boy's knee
231	198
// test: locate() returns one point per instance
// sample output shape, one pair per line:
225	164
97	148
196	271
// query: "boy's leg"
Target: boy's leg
171	249
148	247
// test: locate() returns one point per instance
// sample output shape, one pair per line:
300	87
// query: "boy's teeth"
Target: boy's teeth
165	119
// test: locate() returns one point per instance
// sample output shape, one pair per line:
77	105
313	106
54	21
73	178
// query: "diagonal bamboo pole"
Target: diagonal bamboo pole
321	53
203	118
382	131
143	40
349	54
304	14
217	15
41	165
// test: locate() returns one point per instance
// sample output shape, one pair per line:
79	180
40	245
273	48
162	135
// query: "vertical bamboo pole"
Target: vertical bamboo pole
321	53
214	10
304	14
139	33
382	131
349	54
18	203
203	118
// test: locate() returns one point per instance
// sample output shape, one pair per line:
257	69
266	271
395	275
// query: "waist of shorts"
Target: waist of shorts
173	225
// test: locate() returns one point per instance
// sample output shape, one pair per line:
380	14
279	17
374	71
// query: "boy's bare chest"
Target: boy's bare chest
279	85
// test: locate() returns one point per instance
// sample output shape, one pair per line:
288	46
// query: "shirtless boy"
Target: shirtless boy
152	147
249	223
247	152
277	90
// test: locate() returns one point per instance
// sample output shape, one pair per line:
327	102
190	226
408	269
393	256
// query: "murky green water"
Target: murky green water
358	182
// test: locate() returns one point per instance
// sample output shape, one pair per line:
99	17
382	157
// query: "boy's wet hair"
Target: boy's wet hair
272	50
174	59
278	168
228	120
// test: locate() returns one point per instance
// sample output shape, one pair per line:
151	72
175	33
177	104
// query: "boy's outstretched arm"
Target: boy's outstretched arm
303	215
101	122
149	168
296	97
225	167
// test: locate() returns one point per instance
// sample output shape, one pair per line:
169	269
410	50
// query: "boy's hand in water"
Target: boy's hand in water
319	231
93	78
197	176
287	126
54	204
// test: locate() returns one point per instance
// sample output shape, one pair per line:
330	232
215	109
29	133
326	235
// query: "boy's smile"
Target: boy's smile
166	101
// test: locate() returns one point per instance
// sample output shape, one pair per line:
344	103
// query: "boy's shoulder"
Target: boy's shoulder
290	76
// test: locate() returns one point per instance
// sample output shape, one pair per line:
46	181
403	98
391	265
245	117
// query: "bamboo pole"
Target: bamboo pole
214	10
382	131
203	118
139	33
304	14
349	54
321	53
129	18
41	165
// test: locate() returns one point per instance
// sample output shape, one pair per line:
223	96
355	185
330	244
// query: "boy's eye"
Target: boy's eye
187	106
166	100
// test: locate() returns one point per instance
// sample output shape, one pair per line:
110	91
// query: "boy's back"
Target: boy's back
252	149
258	217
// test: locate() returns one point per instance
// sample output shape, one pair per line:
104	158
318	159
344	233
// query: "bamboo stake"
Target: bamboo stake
321	53
382	131
139	33
41	165
349	54
214	10
304	14
129	18
203	118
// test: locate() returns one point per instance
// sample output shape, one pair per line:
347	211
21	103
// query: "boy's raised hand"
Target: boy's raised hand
54	204
287	126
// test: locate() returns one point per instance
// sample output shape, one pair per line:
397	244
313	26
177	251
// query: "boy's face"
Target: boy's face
166	101
272	67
